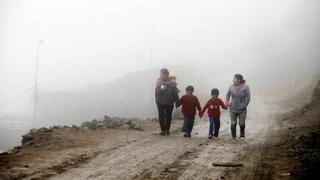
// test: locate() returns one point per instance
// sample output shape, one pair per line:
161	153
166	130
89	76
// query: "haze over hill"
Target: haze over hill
133	94
103	57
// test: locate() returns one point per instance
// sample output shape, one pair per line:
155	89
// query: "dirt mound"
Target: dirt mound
113	123
42	136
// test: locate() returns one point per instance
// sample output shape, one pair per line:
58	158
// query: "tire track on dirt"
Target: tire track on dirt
174	169
70	163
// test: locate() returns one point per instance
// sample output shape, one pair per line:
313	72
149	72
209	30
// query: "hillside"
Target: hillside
270	150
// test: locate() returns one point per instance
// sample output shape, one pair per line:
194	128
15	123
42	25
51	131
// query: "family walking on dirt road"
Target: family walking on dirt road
167	94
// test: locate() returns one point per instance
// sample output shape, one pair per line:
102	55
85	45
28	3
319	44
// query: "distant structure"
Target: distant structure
151	43
36	84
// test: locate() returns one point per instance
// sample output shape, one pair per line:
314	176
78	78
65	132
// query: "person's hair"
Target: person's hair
190	88
240	78
215	92
165	71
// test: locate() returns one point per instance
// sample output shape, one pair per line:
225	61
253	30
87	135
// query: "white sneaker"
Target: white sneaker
241	138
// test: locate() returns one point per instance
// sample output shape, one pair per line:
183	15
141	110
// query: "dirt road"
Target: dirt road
130	154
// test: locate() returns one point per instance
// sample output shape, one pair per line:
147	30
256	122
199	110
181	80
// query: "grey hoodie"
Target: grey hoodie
240	98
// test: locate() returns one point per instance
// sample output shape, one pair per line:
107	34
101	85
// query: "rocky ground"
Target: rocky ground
279	145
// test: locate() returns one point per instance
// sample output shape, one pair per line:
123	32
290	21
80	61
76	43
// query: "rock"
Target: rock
74	126
94	121
90	125
106	117
99	126
33	131
26	138
28	143
4	153
17	147
112	123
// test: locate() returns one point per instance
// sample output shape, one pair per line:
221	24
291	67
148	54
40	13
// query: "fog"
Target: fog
103	57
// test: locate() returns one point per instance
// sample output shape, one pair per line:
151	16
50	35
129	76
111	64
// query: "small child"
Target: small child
190	104
173	78
213	106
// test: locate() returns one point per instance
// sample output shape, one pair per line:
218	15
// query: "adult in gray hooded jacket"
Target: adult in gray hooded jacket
239	93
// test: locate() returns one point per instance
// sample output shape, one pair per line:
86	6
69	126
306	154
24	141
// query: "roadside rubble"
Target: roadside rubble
113	123
38	136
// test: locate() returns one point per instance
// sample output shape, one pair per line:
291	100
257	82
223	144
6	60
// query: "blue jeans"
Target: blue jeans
214	126
188	124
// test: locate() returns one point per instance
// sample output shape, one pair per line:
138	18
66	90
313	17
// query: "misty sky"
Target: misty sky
91	41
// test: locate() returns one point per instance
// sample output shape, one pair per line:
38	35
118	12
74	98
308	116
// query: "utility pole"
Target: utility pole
138	52
36	84
138	58
151	43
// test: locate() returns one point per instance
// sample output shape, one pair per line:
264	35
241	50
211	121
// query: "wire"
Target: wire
16	97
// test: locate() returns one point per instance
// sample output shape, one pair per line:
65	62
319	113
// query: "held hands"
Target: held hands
227	104
200	115
178	104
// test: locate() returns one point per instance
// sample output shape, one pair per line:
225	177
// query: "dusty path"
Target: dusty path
291	149
146	155
130	154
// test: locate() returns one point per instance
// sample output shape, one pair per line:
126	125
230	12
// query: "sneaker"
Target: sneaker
214	137
185	135
162	133
241	138
234	139
189	135
210	136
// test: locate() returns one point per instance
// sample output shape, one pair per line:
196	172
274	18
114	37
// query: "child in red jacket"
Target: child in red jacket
190	104
213	106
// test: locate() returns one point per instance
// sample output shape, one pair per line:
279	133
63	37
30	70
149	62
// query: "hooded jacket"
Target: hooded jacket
166	92
240	98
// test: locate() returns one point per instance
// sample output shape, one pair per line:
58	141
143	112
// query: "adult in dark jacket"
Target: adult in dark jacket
166	94
240	96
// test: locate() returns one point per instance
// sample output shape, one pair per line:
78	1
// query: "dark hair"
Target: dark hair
215	92
190	88
240	78
165	71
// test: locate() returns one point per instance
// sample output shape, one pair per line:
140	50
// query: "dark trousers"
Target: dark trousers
214	126
188	124
242	119
165	116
